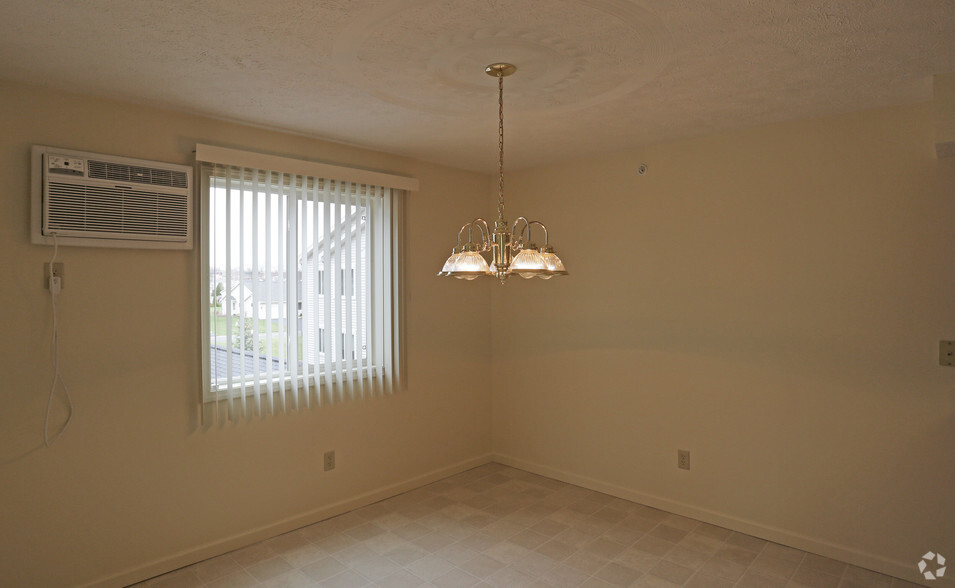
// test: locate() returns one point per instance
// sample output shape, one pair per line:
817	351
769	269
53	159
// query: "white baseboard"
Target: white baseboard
895	568
208	550
175	561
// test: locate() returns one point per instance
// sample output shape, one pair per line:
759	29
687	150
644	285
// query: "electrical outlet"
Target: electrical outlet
946	353
57	273
329	460
683	459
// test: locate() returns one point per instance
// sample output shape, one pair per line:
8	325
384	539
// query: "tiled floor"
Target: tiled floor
499	526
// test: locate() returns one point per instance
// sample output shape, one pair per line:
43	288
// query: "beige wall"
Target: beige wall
770	299
134	481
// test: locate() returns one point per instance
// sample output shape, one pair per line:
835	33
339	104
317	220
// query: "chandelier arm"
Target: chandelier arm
464	226
541	225
519	237
485	232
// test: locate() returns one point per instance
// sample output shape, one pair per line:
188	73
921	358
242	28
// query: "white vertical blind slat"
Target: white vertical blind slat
243	292
325	298
301	322
348	292
268	198
281	243
256	310
210	252
359	291
388	285
374	305
291	281
335	306
312	309
231	295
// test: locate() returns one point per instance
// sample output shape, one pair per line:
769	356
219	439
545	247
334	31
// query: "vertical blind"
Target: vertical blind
302	290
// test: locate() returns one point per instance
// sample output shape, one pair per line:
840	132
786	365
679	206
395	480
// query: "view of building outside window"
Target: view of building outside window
275	270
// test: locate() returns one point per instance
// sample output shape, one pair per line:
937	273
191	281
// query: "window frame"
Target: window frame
392	230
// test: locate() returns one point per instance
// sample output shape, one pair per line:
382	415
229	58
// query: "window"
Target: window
274	241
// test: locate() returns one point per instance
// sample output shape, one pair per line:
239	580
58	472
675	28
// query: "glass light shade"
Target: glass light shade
449	265
555	267
528	263
469	265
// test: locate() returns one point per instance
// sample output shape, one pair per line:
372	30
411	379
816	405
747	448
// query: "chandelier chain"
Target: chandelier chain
500	143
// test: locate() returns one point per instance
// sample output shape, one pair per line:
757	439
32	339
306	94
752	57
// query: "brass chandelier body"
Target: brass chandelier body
509	246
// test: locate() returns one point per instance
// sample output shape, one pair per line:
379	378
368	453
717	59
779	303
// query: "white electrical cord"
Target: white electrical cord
55	358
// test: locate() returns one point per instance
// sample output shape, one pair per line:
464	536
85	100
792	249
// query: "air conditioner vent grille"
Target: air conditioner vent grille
121	172
116	210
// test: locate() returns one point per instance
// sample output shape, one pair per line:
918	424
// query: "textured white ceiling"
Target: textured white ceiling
406	76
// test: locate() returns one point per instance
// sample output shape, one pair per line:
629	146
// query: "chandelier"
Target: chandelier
509	247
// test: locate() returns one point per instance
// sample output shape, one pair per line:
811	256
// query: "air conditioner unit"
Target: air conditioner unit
99	200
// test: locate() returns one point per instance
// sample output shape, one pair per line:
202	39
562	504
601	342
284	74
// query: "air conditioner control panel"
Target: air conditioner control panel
61	164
